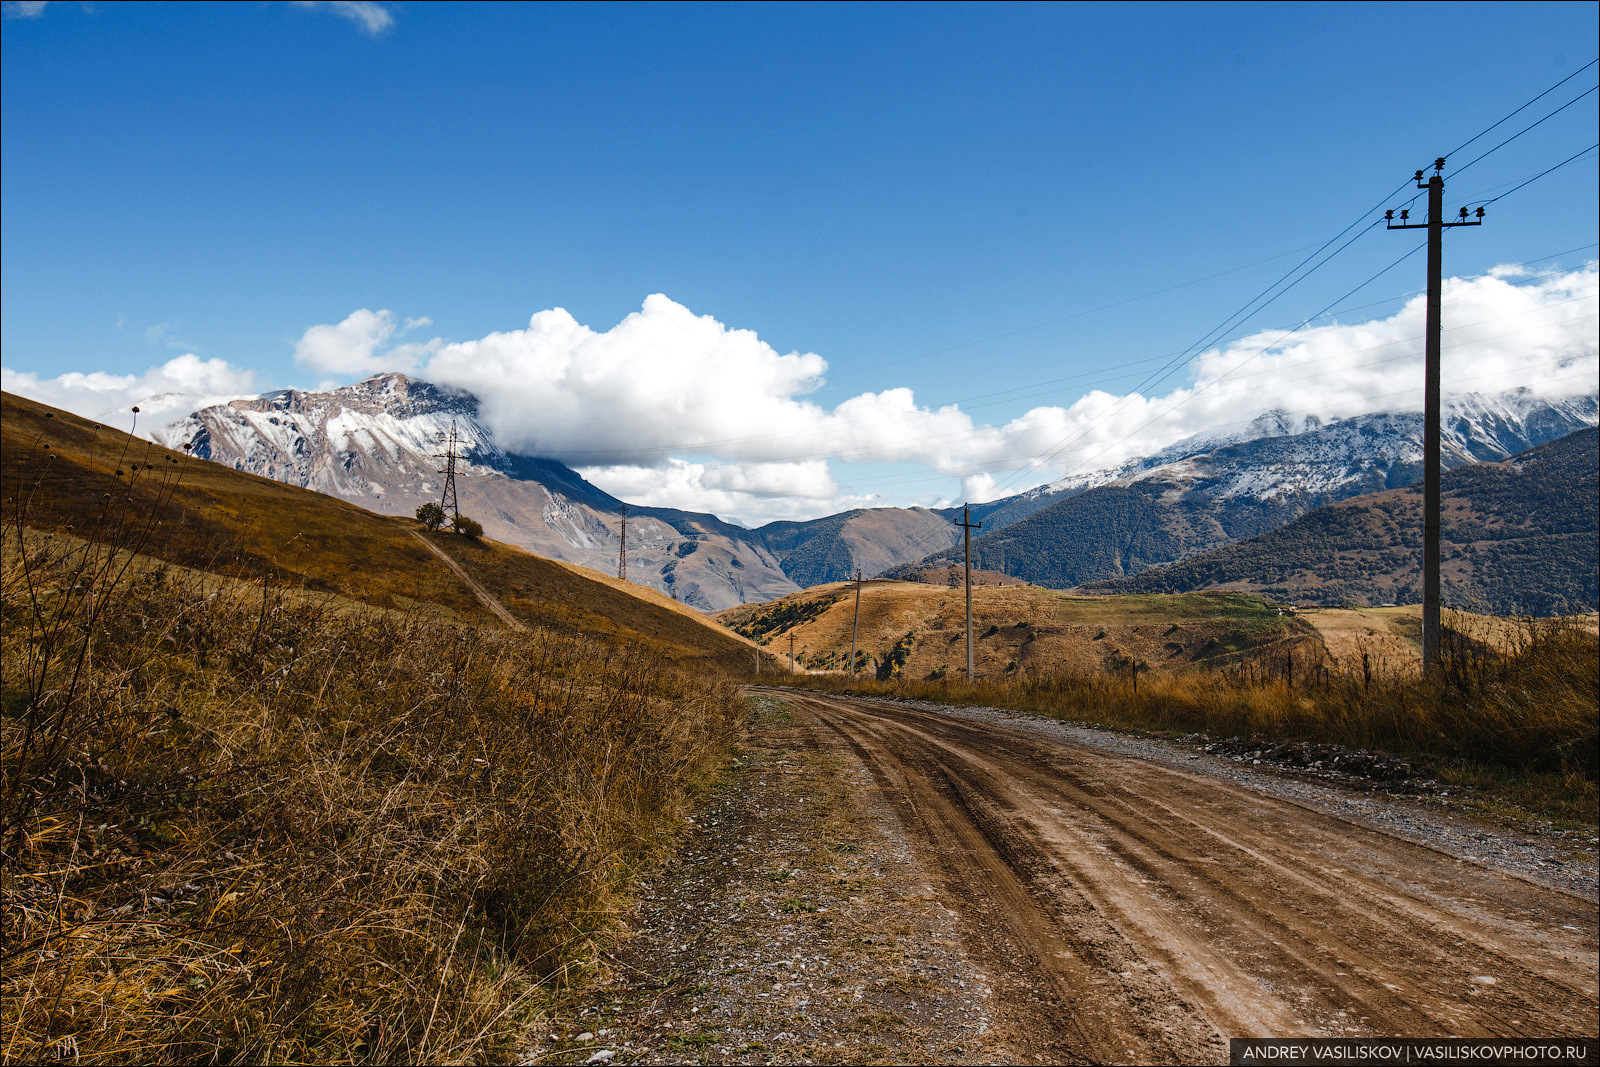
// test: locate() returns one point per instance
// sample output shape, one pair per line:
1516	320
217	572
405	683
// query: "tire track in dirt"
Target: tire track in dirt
1132	912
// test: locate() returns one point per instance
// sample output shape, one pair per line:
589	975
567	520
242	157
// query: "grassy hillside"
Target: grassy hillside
276	787
914	630
1518	536
65	473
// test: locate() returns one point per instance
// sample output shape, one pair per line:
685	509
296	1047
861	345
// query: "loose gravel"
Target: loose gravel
796	925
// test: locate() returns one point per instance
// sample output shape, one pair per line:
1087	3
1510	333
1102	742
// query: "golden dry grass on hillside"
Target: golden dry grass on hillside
1521	724
1515	705
1019	629
1026	629
61	470
251	811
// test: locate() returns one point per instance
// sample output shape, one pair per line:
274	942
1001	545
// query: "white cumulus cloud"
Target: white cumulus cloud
673	408
358	346
1502	331
177	387
752	493
671	405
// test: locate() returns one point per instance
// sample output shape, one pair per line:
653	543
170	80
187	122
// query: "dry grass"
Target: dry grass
240	824
1521	719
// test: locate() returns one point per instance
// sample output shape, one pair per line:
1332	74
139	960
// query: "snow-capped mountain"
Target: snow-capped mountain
1171	505
1286	457
379	443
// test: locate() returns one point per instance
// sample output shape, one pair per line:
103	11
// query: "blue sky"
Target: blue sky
933	198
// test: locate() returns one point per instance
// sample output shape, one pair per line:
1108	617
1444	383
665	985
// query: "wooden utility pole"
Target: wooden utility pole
622	552
1435	225
855	627
791	653
966	529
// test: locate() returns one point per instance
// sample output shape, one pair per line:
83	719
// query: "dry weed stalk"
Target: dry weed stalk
241	825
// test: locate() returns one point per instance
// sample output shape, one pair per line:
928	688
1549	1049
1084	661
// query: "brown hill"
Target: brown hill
917	630
946	574
833	548
63	473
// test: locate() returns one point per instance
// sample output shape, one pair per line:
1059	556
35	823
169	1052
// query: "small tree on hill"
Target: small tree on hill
431	515
468	527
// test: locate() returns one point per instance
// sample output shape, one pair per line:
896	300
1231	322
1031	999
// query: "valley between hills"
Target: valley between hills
287	779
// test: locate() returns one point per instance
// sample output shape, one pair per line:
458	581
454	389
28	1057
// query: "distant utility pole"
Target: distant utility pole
791	653
966	530
1435	225
622	552
447	502
855	627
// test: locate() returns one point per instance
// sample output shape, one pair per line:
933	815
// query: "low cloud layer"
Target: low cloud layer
676	409
162	393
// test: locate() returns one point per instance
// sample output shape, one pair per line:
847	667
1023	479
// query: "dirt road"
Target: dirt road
1125	911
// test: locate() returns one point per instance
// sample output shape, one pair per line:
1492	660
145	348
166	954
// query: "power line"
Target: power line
1536	177
1519	133
1066	318
1231	376
1409	391
1521	109
1078	436
1391	266
1098	377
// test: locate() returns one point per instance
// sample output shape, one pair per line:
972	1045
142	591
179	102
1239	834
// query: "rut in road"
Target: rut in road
1137	913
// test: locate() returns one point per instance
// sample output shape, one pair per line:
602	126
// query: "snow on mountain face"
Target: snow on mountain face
379	443
1277	455
377	436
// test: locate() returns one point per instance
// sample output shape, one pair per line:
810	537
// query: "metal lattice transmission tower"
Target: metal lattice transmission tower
447	501
622	551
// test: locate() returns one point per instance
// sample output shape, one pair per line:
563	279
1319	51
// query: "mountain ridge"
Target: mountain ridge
1518	536
1157	513
376	443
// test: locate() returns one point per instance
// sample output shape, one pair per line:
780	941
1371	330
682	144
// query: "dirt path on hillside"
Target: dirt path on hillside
892	884
486	598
